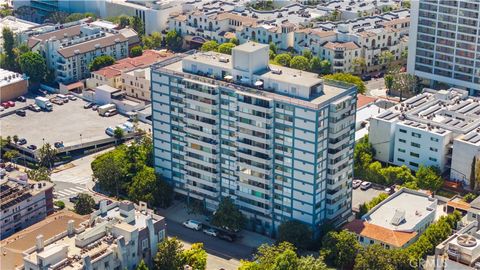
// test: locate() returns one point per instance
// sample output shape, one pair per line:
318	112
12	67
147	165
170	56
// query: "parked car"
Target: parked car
365	185
111	112
366	77
73	199
5	105
34	108
72	97
390	190
356	183
64	98
110	131
211	232
378	75
9	168
88	105
21	112
11	103
2	108
58	144
32	147
21	99
57	101
227	236
95	107
22	141
193	224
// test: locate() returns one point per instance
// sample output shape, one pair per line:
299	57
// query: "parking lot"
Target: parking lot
360	196
69	123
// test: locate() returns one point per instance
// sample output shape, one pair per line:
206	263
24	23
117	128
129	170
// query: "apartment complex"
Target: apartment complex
397	221
295	26
130	74
278	141
17	26
70	48
23	202
435	128
117	236
444	43
12	85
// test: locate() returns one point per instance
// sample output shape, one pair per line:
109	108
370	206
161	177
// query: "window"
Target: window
414	154
433	149
402	140
414	164
432	159
403	131
401	159
433	139
401	150
416	135
417	145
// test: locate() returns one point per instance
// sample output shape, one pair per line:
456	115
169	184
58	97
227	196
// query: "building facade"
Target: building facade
278	141
24	202
435	128
444	42
12	85
117	236
69	49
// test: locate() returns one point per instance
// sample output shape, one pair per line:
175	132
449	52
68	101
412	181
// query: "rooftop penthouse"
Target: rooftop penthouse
248	70
117	236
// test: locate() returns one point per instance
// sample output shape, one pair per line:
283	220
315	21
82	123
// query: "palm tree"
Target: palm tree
47	156
15	139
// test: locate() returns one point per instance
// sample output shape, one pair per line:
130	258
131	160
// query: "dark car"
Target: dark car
32	147
58	144
21	99
21	112
225	235
366	77
88	105
73	199
22	141
379	75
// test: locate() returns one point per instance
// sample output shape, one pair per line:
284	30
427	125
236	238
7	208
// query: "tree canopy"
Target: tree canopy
340	248
228	216
172	256
84	204
47	156
173	40
8	49
101	62
283	59
39	174
136	51
429	178
300	62
210	45
348	78
226	48
295	232
34	65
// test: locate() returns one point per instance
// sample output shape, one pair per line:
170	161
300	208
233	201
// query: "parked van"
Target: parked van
105	108
193	224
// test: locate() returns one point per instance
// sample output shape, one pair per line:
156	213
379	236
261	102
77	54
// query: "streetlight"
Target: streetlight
81	142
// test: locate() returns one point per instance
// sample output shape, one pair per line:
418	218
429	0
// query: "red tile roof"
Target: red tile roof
363	100
381	234
148	58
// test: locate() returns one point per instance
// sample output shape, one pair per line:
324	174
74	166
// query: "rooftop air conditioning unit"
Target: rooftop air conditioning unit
223	59
276	71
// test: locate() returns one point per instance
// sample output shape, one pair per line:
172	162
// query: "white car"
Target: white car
2	108
365	185
356	183
193	224
211	232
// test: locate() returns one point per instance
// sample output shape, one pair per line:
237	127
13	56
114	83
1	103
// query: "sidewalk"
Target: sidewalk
178	212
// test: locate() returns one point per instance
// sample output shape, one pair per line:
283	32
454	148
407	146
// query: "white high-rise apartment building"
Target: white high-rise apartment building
278	141
445	43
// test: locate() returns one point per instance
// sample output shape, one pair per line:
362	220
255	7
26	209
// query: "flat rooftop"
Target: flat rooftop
331	89
402	211
8	77
13	246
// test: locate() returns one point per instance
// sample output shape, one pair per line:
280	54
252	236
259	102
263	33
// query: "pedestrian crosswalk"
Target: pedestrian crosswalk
72	179
69	192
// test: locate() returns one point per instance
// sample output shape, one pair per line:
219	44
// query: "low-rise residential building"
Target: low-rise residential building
23	202
17	26
123	70
69	49
105	94
279	141
397	221
434	128
12	85
117	236
461	251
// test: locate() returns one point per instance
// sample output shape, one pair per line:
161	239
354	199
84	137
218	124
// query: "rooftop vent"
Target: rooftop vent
398	217
466	240
276	71
223	59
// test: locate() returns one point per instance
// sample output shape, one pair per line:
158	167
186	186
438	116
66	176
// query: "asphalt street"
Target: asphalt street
212	245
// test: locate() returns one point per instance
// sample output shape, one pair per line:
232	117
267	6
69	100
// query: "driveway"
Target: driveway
362	196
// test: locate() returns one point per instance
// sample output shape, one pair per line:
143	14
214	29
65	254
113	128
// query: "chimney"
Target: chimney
70	227
39	242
